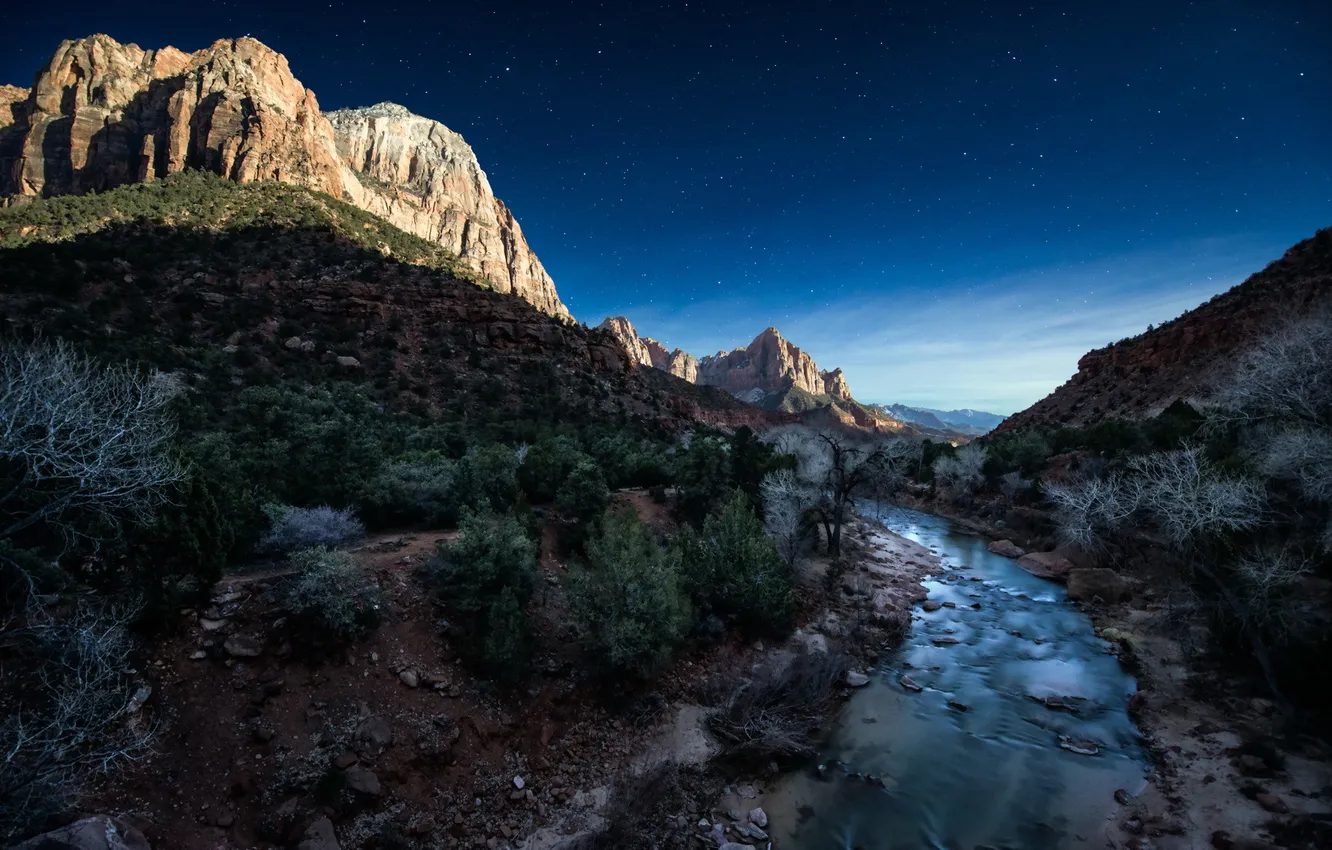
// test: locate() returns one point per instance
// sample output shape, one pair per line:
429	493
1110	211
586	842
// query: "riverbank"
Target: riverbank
394	743
1230	769
683	785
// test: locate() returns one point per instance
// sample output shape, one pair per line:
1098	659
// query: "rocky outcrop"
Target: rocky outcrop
646	351
1086	584
772	364
1140	377
102	114
99	832
424	178
835	385
1051	565
1007	548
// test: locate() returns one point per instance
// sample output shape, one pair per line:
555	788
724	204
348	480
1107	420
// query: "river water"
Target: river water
974	758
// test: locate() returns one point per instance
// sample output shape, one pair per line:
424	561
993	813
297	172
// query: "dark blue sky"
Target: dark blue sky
951	200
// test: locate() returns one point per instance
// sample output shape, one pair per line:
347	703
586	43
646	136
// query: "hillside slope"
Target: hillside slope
1139	377
229	285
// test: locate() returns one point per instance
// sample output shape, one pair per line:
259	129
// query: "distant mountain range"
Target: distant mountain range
970	422
776	375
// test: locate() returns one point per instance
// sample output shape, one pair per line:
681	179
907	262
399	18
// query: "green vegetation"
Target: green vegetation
331	601
243	373
628	599
485	577
732	569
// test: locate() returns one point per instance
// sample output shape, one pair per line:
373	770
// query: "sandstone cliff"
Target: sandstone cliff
425	179
648	352
101	114
1138	378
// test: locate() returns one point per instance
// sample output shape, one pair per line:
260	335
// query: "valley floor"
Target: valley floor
394	744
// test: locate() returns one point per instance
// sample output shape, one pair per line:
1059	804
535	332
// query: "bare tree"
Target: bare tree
839	465
787	499
1189	497
1286	376
79	718
1011	484
1090	510
79	438
961	473
1281	390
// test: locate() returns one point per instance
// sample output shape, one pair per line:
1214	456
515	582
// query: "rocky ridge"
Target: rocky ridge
101	114
1139	377
770	364
648	352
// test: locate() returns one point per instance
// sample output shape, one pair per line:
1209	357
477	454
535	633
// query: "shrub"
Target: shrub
331	600
73	722
418	488
733	568
780	712
487	478
584	495
702	471
629	598
485	575
305	528
547	464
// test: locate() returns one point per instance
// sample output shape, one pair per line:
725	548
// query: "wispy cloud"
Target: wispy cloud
997	344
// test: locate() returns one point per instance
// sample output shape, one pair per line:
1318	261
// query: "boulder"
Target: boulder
856	679
373	736
1088	583
100	832
1007	548
243	646
363	781
1048	565
319	836
931	605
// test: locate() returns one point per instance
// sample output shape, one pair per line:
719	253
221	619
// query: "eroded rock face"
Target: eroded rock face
772	364
101	114
646	351
425	178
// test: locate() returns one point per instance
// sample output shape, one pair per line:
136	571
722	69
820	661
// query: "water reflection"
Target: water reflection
974	757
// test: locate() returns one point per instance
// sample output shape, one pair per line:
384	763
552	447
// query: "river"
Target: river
974	757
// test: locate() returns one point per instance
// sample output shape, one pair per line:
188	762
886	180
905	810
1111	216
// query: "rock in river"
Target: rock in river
1049	565
1007	548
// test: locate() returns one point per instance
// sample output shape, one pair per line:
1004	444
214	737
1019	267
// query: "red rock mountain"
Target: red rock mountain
648	352
767	365
101	114
1139	377
772	364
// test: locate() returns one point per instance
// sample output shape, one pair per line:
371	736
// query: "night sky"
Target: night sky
950	200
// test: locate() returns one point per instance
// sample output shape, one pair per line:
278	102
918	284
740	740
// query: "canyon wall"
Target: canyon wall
101	114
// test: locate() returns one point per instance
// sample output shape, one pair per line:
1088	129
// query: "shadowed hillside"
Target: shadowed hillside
1139	377
233	285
